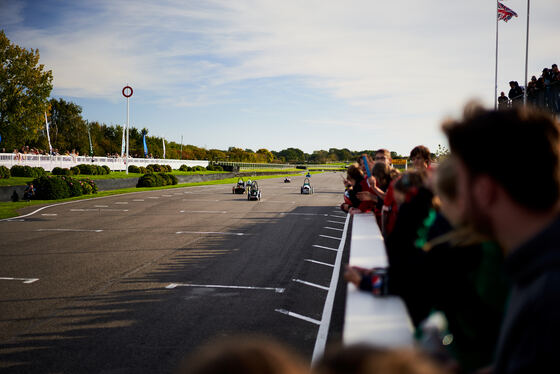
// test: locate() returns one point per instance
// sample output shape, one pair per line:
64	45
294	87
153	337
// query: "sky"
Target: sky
312	74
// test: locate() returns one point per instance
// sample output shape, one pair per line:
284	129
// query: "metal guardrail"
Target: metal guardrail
380	320
114	163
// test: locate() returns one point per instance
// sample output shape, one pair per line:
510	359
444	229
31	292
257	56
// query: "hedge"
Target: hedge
133	169
157	180
4	172
90	169
61	187
155	168
27	171
214	168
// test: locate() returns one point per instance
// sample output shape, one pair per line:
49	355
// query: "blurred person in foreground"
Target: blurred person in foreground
243	355
366	359
525	222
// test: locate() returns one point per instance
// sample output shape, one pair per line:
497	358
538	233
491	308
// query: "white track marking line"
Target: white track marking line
25	280
173	285
204	211
332	228
319	262
49	214
211	232
167	195
292	314
321	341
138	200
304	214
320	246
329	237
337	216
99	210
71	230
121	202
342	223
153	197
311	284
197	200
85	210
101	206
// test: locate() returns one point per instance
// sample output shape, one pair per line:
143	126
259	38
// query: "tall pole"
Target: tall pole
127	135
496	69
526	53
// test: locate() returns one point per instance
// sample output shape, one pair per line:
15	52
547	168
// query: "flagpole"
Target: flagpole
526	53
496	68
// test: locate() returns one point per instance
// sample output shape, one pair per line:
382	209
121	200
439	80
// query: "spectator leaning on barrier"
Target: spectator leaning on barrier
526	225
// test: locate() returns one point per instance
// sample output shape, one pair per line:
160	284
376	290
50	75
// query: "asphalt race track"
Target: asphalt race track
131	283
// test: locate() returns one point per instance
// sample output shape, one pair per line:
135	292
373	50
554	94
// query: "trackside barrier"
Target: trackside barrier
114	163
382	320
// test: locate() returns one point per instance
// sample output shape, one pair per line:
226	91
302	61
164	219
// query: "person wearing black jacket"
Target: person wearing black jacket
526	225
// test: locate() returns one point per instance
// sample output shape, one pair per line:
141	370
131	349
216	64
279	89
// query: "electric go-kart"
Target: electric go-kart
248	183
306	189
239	188
254	192
287	180
308	175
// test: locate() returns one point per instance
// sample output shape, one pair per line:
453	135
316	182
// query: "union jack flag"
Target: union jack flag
505	13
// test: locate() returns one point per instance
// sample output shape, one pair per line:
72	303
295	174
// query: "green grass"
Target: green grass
242	170
9	209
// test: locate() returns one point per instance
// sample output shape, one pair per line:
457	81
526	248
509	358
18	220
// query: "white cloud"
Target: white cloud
391	61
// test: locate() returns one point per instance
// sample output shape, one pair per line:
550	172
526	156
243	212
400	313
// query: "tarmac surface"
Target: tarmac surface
132	283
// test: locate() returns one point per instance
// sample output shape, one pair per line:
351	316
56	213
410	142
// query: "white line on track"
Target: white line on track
319	262
311	284
153	197
329	237
167	195
85	210
138	200
71	230
25	280
205	200
342	223
320	246
173	285
332	228
121	202
321	341
292	314
304	214
211	232
337	216
101	206
99	210
49	214
204	211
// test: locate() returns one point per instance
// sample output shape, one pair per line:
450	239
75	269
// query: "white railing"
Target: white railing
114	163
377	320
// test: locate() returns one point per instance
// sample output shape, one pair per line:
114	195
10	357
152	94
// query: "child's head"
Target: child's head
382	173
354	173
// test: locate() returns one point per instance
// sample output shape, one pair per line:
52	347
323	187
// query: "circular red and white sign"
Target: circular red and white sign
127	89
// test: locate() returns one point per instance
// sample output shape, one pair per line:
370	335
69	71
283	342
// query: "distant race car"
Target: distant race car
254	192
308	175
239	188
306	189
287	180
248	183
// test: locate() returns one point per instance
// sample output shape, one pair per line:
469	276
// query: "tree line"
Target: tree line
25	88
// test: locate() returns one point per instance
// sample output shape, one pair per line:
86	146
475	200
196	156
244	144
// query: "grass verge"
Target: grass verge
9	209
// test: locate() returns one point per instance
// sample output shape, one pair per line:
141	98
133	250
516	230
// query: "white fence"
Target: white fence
378	320
114	163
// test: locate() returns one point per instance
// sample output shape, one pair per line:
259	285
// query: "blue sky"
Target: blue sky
275	74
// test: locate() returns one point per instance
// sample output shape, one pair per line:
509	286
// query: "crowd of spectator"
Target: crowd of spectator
465	240
542	92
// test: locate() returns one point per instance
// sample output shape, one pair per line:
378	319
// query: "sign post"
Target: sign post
127	92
